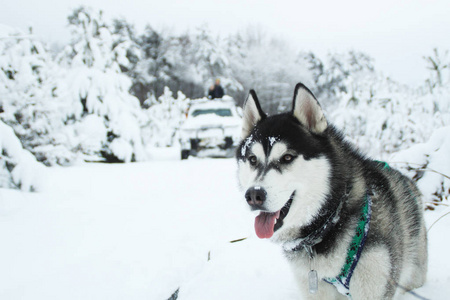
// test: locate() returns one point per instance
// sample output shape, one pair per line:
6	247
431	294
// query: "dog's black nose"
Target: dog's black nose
255	196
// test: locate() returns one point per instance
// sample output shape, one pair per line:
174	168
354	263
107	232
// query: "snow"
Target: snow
272	140
211	126
143	230
90	134
211	120
432	159
248	142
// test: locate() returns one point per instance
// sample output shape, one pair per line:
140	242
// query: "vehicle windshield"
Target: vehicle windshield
222	112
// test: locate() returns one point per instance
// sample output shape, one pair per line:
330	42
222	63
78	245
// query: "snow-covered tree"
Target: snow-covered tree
99	91
388	120
125	44
382	116
439	65
153	71
30	101
210	62
334	75
268	65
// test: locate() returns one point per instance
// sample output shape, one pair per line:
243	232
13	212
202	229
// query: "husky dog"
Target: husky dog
350	227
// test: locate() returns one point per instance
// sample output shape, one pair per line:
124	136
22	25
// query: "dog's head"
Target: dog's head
282	167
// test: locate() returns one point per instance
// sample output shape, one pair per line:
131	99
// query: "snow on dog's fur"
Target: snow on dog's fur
305	181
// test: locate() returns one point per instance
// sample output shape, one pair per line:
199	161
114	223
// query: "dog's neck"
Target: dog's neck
316	236
318	233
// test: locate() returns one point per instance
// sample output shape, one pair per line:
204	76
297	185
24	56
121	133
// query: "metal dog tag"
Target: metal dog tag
313	282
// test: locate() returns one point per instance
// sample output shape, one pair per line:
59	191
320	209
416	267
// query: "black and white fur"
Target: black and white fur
297	166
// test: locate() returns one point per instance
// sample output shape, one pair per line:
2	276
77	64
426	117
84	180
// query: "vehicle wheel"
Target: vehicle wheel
194	144
184	154
228	142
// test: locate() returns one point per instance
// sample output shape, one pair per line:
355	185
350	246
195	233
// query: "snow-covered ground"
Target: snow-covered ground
143	230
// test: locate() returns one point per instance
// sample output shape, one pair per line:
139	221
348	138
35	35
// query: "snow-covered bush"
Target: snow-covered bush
29	102
383	117
165	115
96	86
429	164
18	167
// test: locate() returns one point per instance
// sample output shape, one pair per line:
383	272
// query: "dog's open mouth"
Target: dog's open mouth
266	223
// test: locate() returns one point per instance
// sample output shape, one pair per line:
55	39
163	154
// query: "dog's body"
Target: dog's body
314	190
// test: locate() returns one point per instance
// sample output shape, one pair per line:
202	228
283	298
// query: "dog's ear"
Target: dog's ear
307	110
252	114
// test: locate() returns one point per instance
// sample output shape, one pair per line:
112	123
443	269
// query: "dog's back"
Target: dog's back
398	223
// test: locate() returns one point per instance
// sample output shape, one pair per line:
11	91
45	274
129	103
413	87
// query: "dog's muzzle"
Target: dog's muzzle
266	223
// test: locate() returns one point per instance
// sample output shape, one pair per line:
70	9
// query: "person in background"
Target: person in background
211	92
216	90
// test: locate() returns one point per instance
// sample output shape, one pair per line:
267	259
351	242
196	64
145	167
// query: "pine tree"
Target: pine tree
125	45
30	101
153	71
332	75
210	62
100	91
268	65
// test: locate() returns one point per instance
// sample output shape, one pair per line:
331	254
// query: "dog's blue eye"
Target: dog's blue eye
253	160
287	158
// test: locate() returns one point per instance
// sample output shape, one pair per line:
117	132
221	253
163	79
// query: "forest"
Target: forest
112	94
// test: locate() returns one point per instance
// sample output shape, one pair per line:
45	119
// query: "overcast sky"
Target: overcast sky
396	33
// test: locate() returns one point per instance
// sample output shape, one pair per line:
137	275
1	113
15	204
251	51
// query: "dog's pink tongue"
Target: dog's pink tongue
264	224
